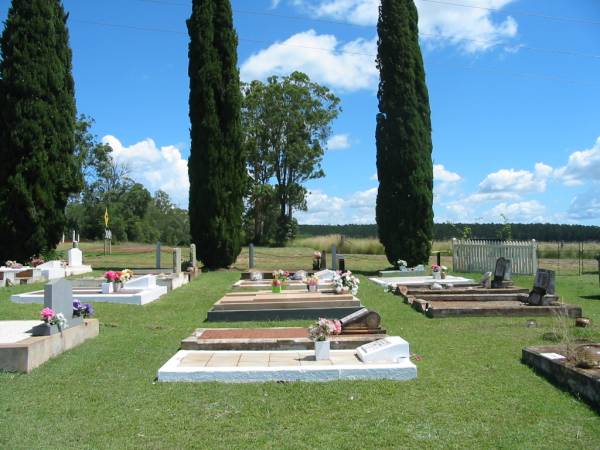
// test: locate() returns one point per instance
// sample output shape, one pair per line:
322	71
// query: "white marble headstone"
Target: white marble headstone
391	348
75	257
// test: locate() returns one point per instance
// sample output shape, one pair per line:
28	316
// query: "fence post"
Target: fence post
251	256
158	255
454	255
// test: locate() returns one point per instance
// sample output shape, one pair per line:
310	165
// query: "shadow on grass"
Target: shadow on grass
591	297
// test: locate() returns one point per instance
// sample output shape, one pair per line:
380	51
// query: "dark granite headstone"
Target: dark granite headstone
544	284
342	263
58	295
502	267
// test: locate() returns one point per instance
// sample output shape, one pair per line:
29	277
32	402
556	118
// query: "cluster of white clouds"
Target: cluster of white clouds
156	168
344	66
350	66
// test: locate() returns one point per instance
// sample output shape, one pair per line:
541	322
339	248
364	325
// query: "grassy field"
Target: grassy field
472	391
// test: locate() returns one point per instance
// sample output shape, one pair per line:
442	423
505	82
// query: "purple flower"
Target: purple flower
88	311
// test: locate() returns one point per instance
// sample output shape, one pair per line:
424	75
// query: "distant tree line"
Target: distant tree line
444	231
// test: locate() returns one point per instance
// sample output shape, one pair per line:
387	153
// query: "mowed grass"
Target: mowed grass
472	390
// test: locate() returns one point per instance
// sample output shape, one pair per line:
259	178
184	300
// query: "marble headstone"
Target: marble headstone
75	257
502	266
544	284
58	295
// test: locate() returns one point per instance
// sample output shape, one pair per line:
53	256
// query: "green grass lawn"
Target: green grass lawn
472	390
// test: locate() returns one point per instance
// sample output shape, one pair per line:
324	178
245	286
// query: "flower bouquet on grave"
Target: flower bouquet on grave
125	275
37	261
312	283
280	278
320	332
82	310
316	263
439	272
13	265
112	279
346	282
402	265
48	316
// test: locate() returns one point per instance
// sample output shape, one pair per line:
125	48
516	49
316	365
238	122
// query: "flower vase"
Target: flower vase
322	350
437	275
276	289
117	285
313	288
443	275
107	288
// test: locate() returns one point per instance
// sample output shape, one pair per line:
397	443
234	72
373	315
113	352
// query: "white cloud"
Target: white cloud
517	181
338	142
474	29
582	166
323	209
156	168
441	174
374	177
526	211
585	206
348	67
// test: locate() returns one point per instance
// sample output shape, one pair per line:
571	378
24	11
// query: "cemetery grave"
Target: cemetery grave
494	301
358	328
286	305
27	344
575	368
387	358
137	291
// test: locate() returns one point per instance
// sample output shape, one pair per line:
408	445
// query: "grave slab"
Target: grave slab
278	338
22	352
92	295
259	366
423	281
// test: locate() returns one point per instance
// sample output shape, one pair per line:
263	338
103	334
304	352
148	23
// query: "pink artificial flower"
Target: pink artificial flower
111	276
46	314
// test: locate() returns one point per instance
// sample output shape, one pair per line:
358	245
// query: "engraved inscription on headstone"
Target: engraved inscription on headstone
500	272
544	284
58	295
391	348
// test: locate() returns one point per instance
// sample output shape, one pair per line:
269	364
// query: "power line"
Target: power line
328	50
489	43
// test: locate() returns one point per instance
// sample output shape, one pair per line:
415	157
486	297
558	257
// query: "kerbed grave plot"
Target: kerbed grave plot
576	370
482	302
357	329
287	305
387	358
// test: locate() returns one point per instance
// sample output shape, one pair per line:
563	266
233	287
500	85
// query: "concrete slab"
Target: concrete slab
235	367
12	331
24	355
91	295
422	281
279	338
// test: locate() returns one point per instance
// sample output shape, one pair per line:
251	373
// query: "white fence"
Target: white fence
480	256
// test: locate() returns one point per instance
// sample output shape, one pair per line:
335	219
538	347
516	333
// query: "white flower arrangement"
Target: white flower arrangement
346	282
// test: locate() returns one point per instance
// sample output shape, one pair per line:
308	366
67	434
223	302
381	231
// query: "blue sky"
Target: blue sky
513	84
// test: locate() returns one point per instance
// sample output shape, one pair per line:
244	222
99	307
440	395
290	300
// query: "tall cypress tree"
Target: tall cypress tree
38	170
216	164
404	201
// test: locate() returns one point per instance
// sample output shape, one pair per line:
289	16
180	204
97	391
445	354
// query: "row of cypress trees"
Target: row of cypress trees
37	122
404	210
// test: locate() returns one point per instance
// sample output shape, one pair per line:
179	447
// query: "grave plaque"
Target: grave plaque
391	348
58	296
502	265
544	284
